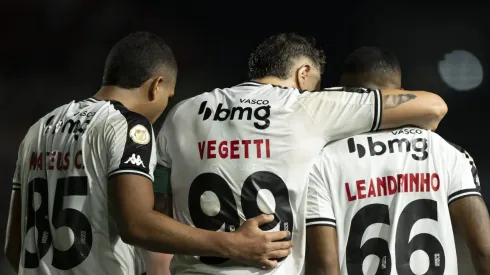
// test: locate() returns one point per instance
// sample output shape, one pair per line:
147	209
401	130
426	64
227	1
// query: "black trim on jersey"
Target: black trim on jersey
474	170
464	196
377	110
132	148
253	83
250	84
273	85
378	102
128	172
320	221
381	106
463	193
459	148
321	224
90	99
16	186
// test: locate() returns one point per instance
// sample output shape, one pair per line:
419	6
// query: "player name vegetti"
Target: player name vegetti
234	149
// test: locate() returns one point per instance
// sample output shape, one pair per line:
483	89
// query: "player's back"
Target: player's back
389	194
237	153
64	162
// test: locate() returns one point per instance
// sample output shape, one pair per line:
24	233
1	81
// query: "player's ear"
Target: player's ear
155	88
302	76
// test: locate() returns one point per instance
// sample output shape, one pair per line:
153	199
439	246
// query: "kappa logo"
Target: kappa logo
135	160
261	114
377	148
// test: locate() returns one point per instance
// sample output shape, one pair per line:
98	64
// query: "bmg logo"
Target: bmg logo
261	114
377	148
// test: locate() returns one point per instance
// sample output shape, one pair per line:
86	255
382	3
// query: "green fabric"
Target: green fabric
162	180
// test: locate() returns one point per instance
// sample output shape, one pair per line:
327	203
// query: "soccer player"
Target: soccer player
238	152
82	190
382	203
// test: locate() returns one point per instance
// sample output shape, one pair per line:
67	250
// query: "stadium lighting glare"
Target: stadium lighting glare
461	70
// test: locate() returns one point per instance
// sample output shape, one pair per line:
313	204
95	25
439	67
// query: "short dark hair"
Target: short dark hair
275	56
371	60
136	58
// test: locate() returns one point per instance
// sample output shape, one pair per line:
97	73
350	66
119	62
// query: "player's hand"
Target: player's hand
258	248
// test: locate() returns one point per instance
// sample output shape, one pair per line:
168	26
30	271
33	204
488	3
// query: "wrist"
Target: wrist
225	242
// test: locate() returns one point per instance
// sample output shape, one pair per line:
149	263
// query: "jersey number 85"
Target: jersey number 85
37	217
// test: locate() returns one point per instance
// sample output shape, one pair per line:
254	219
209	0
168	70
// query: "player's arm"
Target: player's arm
321	236
469	213
163	190
159	263
131	201
13	239
471	218
343	112
418	108
322	256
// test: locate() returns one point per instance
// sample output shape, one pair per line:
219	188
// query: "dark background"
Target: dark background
52	52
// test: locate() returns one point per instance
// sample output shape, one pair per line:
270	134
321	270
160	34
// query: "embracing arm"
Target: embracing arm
131	204
418	108
345	111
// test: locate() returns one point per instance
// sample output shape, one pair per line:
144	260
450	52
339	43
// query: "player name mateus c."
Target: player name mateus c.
234	149
389	185
56	161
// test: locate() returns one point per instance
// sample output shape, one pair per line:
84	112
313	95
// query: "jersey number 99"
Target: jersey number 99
404	247
228	214
61	217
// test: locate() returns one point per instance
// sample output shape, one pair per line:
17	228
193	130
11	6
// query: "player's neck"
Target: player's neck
277	81
126	97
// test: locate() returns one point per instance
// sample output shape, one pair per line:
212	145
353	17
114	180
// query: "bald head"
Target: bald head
371	67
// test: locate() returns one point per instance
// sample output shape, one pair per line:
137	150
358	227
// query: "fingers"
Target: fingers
277	254
280	245
261	219
277	236
267	264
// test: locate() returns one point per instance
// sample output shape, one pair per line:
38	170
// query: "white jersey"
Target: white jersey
388	196
62	171
238	152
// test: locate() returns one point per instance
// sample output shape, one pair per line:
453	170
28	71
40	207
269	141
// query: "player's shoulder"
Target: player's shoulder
118	118
185	107
256	88
340	90
334	151
341	146
47	119
449	147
